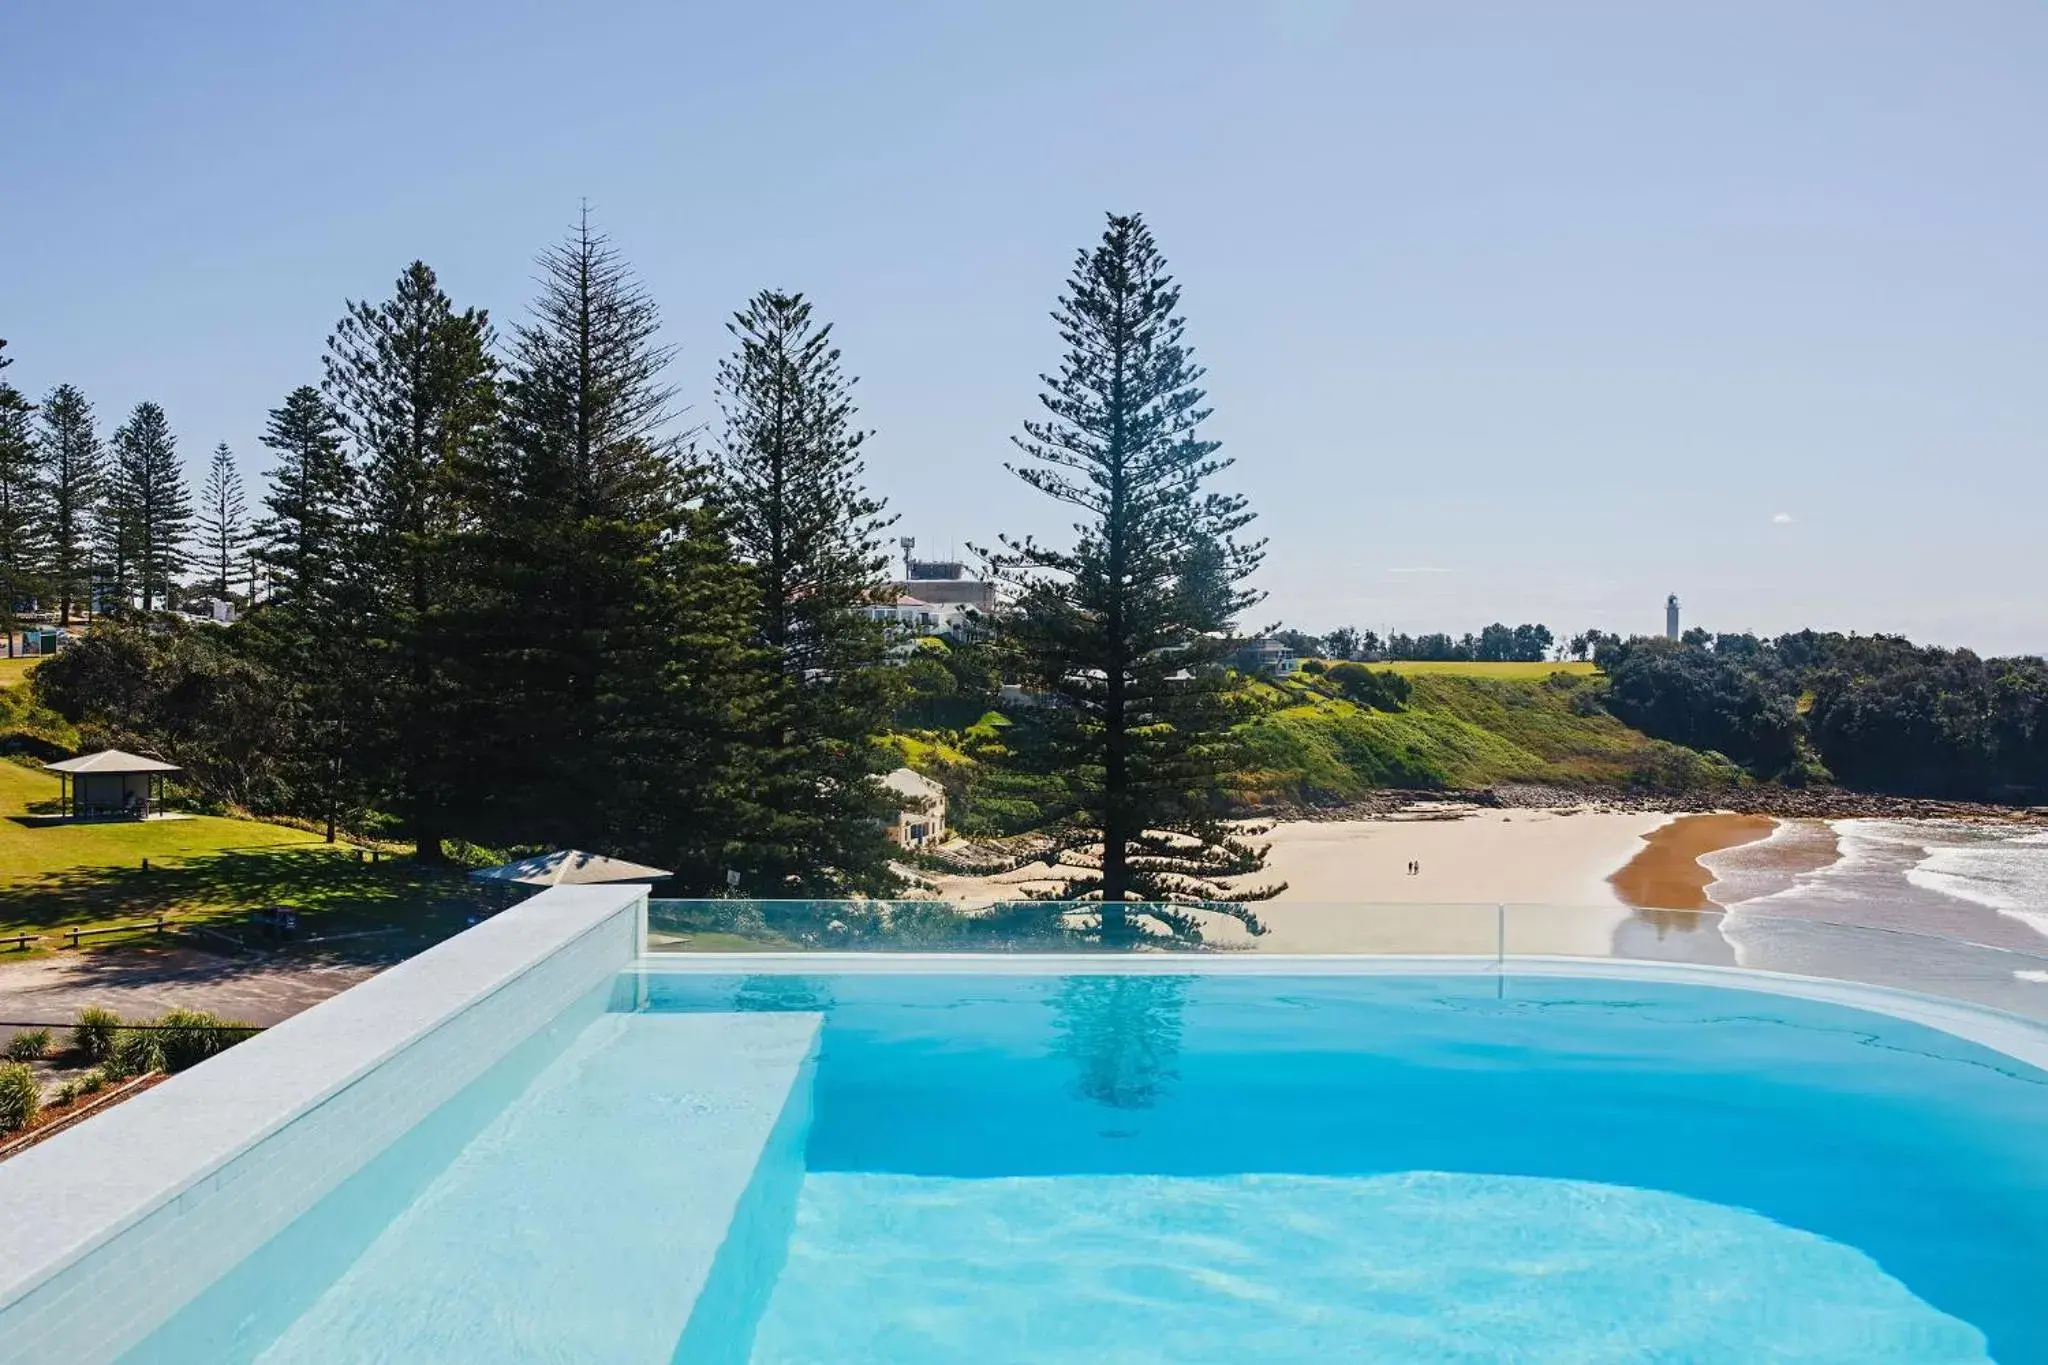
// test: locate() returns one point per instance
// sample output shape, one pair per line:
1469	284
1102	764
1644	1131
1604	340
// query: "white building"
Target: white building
1671	617
923	819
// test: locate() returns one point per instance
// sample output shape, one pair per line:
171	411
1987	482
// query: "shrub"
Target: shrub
70	1091
93	1081
137	1052
21	1099
189	1037
28	1045
1382	691
93	1034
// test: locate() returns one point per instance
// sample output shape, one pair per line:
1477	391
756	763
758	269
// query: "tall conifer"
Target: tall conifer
810	533
151	506
302	534
74	472
24	542
223	520
616	639
311	628
1122	625
414	386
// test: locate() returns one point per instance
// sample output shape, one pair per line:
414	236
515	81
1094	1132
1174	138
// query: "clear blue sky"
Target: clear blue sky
1512	311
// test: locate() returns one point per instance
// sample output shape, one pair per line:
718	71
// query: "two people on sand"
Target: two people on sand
1415	867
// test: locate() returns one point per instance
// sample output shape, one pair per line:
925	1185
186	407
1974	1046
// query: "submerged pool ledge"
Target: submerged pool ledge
114	1225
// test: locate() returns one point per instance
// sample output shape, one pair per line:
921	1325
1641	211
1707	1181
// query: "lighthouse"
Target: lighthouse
1671	617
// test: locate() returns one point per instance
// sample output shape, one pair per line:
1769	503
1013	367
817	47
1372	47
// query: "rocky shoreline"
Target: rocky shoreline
1785	803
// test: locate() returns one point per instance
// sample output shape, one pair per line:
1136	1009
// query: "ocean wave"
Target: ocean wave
1945	877
1764	868
2007	875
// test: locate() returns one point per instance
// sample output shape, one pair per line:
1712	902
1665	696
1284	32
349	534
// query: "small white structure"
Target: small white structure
569	867
923	819
1671	617
913	616
111	785
1265	656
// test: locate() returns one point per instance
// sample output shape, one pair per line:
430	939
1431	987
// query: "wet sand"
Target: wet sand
1666	873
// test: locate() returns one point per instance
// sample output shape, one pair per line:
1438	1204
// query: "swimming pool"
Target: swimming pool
801	1164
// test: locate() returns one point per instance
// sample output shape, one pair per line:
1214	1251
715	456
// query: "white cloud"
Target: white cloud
1782	519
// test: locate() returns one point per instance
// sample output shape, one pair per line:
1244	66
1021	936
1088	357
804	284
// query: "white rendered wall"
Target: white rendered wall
107	1229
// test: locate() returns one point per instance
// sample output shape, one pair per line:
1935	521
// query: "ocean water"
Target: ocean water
1127	1168
1976	883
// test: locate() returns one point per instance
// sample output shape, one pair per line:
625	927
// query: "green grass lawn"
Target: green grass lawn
1420	668
14	670
206	869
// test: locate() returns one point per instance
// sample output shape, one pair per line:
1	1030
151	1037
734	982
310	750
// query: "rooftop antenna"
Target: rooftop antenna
908	543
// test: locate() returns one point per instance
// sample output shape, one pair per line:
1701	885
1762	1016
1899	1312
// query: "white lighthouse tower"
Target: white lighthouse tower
1671	617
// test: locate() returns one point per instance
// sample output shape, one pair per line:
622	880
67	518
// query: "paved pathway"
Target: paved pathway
144	981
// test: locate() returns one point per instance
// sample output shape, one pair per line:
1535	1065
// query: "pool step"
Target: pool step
585	1221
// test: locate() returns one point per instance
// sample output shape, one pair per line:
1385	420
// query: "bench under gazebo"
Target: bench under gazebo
111	785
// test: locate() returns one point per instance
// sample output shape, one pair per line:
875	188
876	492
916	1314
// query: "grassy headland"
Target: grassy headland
1460	729
1461	726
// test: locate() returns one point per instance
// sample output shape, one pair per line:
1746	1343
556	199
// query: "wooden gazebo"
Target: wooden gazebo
111	785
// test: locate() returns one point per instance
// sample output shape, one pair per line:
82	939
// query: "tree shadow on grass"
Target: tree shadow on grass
388	909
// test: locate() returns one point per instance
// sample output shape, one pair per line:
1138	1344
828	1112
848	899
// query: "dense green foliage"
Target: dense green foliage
148	510
1497	643
156	684
136	1052
28	1045
21	1099
188	1037
1379	689
22	518
790	486
509	607
1122	628
74	475
601	649
223	522
93	1034
1873	712
413	384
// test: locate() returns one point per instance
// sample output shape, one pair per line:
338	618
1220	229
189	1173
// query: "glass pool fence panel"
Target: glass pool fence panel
2003	979
1614	932
1352	927
1999	978
737	925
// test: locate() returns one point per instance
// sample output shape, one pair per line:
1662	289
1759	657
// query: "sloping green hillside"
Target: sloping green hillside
1311	743
1460	731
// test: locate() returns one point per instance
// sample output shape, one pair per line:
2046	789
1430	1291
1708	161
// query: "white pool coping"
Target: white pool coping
2017	1037
114	1224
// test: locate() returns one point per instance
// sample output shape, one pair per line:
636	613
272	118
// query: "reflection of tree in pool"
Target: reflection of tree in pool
773	994
1122	1033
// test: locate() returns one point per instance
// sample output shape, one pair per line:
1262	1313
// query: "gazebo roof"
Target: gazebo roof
111	761
570	867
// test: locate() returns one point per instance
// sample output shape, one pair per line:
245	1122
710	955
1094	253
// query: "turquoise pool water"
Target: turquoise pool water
872	1167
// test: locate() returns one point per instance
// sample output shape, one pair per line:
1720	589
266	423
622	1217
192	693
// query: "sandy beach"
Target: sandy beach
1469	863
